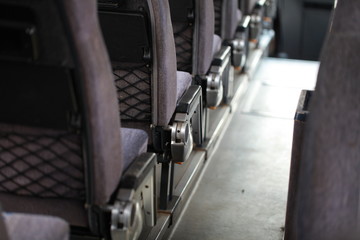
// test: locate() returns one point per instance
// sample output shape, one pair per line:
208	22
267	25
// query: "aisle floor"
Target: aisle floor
242	194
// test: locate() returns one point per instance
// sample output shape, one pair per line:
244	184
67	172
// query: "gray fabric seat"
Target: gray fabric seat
328	197
134	143
197	46
145	73
34	227
227	18
184	35
148	90
216	44
233	27
66	150
183	83
61	152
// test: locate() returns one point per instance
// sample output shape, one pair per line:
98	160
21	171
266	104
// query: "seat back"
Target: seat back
193	24
141	47
250	5
58	115
329	171
227	17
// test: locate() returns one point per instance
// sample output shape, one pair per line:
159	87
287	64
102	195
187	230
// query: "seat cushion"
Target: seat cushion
134	143
183	82
34	227
216	44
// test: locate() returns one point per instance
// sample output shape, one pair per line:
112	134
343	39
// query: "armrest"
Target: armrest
222	57
260	4
192	105
212	82
187	119
187	127
134	204
137	171
189	100
244	24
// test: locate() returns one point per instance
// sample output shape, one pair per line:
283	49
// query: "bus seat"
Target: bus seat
227	18
232	26
328	205
19	226
262	14
183	82
58	146
147	82
152	94
193	25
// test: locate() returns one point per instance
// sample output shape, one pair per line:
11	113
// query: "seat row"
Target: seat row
101	99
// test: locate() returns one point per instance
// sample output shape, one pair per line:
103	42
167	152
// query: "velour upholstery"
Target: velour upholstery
194	42
165	67
229	18
34	227
135	143
71	211
100	100
98	104
204	40
139	125
219	13
329	171
216	44
183	82
250	5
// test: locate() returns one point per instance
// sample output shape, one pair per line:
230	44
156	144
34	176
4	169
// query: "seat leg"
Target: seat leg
166	187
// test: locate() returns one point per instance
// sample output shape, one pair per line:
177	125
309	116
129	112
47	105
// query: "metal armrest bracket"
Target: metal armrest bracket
220	78
256	24
134	204
186	128
239	45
